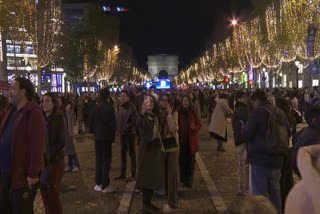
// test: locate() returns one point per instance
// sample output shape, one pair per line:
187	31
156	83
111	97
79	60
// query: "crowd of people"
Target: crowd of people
159	130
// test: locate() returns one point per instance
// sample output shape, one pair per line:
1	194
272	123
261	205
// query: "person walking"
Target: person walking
239	119
104	128
189	126
218	124
126	127
150	176
169	131
51	177
22	148
265	162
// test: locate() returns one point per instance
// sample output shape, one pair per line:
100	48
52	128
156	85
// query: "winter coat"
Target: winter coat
127	118
104	122
80	109
55	138
28	144
218	124
69	148
192	117
169	127
240	113
255	132
151	153
304	198
306	137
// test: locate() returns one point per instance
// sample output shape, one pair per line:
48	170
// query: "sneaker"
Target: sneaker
67	169
97	188
75	169
168	209
109	189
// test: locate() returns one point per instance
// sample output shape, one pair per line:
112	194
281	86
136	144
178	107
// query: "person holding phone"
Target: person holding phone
169	131
150	176
189	126
239	118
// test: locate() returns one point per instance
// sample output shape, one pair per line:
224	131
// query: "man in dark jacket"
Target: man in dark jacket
265	165
239	118
22	148
126	126
307	136
104	128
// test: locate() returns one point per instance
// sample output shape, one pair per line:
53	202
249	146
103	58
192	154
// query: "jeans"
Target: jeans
266	182
128	142
103	162
73	161
243	168
18	201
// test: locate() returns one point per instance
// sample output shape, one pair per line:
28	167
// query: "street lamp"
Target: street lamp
28	67
297	73
234	22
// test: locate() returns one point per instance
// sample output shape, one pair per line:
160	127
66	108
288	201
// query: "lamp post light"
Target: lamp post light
297	63
28	67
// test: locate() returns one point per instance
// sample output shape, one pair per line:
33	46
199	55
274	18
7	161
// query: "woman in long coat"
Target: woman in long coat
150	175
218	124
189	126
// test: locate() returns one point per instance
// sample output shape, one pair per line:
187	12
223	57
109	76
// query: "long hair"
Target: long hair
54	100
156	108
181	108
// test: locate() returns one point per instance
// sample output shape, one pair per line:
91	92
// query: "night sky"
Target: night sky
183	27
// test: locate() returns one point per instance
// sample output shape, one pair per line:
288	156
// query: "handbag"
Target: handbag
169	143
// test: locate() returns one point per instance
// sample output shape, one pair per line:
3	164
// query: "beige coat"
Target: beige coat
218	119
304	198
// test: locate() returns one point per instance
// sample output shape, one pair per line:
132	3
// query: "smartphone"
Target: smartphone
242	123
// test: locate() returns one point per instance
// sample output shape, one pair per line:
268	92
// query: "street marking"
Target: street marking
216	198
126	198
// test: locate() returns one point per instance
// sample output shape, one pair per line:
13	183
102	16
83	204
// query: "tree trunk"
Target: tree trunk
39	74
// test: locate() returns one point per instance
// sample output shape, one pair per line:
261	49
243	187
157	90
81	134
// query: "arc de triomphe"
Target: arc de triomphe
164	64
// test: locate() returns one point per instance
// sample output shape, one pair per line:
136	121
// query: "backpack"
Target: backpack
277	138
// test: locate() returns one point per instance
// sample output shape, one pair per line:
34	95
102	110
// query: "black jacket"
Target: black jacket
104	122
254	133
306	137
240	113
55	138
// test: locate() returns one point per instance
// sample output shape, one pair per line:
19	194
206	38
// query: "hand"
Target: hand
169	109
32	181
144	108
192	126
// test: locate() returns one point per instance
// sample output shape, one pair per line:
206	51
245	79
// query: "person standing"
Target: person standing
69	149
169	132
51	177
239	119
104	128
189	126
80	113
126	127
22	148
218	124
265	162
150	175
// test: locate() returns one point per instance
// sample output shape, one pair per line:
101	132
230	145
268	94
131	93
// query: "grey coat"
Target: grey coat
69	148
151	155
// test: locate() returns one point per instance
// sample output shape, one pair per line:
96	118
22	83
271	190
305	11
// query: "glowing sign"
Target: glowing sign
250	74
1	54
163	84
